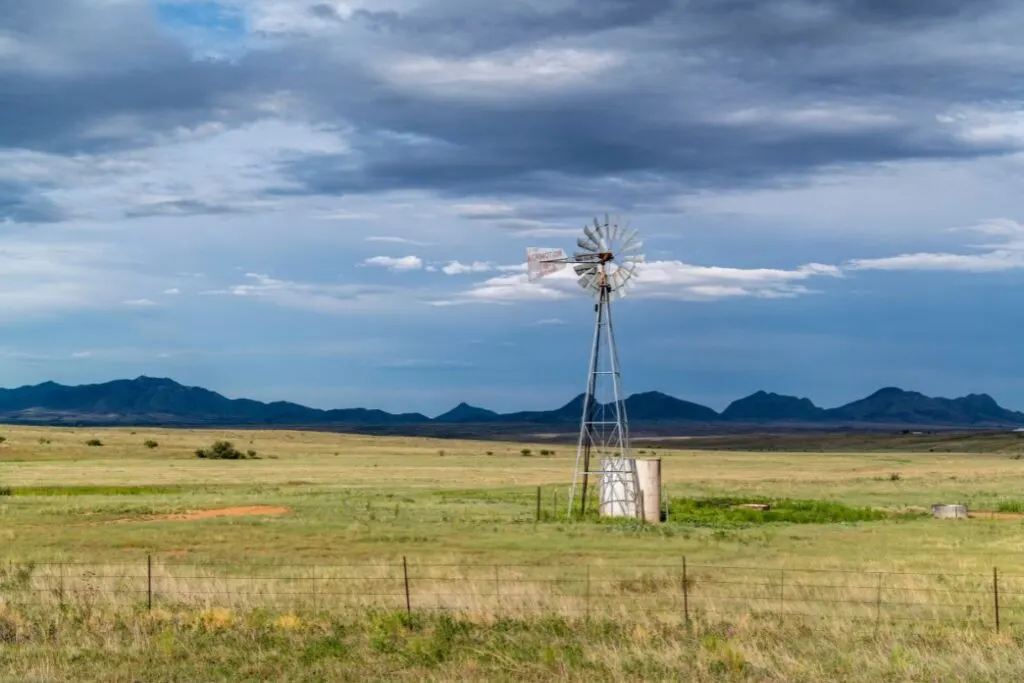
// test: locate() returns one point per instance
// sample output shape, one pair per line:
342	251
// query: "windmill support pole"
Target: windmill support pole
583	447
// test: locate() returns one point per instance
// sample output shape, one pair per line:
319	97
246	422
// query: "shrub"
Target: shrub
490	452
93	442
3	438
43	440
547	452
224	450
149	443
6	491
526	452
895	476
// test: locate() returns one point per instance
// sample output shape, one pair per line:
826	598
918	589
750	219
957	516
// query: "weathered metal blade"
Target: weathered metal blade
589	232
582	268
587	245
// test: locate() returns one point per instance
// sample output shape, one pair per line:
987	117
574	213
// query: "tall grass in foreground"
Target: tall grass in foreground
112	645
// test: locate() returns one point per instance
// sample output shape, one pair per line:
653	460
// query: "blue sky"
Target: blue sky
329	202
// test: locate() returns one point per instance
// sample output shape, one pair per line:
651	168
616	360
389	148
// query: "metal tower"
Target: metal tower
604	267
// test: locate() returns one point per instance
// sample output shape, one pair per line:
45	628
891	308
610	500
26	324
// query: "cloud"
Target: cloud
1007	253
393	240
550	321
172	291
457	268
139	302
392	263
314	297
657	280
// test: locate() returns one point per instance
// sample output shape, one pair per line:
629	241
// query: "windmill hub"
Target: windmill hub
604	429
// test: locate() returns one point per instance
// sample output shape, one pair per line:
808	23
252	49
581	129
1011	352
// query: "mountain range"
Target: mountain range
161	401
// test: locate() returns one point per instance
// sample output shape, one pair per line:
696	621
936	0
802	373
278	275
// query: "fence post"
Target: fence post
686	595
995	593
149	582
588	593
60	590
538	503
313	582
878	600
554	504
497	590
408	600
782	591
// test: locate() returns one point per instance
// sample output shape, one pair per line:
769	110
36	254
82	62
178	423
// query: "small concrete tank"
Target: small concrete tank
648	473
617	478
942	511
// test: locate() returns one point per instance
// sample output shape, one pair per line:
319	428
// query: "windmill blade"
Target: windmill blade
585	257
589	232
589	282
629	239
587	245
632	247
583	268
619	230
626	271
600	236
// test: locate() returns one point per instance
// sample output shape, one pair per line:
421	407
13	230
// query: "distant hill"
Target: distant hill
464	412
765	407
161	401
894	405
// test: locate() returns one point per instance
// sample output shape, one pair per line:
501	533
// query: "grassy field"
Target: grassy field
845	579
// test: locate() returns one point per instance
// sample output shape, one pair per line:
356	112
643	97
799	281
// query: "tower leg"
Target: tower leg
583	448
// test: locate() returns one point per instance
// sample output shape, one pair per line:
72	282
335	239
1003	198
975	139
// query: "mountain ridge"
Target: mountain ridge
153	400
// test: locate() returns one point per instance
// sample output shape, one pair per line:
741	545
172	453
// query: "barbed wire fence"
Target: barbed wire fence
678	591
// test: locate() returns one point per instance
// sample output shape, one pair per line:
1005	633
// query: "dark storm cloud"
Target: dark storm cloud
705	93
75	67
184	207
21	204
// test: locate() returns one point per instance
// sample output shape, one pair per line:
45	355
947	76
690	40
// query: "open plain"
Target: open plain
338	557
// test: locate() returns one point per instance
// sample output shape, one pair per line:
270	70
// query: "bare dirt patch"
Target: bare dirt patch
239	511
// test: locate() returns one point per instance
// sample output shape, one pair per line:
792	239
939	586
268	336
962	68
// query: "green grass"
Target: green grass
464	523
722	511
85	490
219	645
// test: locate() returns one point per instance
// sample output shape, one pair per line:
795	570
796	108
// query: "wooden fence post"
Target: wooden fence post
686	594
408	599
995	593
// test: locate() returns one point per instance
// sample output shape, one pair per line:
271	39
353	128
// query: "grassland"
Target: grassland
529	599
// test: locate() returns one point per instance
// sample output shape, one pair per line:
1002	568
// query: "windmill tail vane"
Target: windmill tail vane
605	264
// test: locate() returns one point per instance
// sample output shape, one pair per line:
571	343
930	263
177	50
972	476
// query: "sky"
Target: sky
330	202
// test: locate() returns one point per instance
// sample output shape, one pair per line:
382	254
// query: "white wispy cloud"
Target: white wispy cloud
657	279
395	263
139	302
314	296
391	239
172	291
1005	253
458	268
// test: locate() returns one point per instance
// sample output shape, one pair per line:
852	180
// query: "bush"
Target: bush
225	450
526	452
6	491
93	442
149	443
895	476
547	452
3	438
43	440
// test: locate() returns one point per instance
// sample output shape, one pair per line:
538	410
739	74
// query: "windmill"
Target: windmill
605	265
